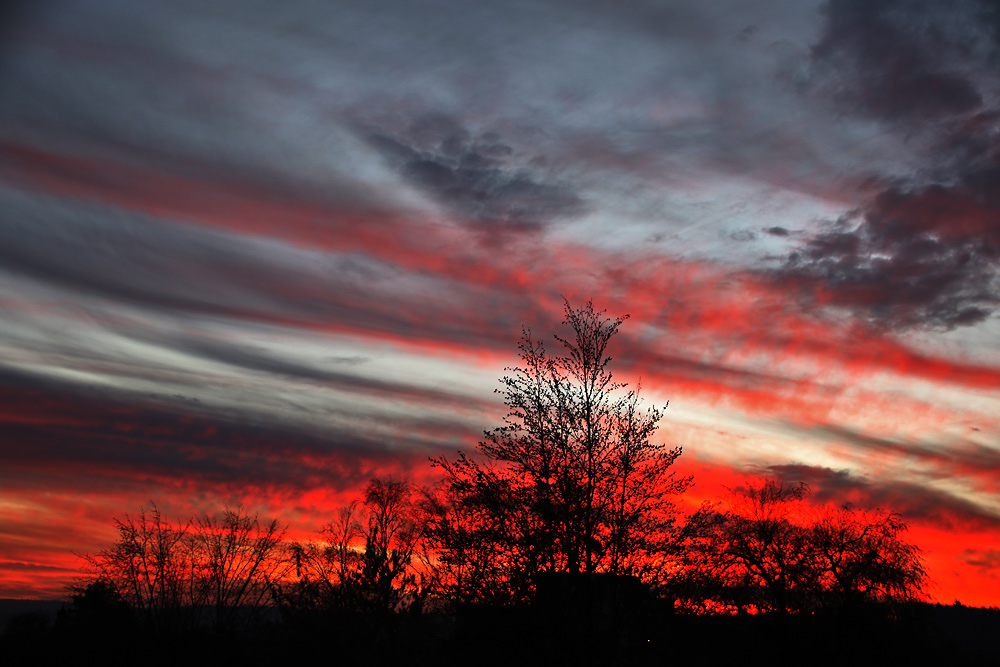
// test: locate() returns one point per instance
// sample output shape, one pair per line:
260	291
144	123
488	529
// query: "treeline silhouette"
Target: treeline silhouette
562	538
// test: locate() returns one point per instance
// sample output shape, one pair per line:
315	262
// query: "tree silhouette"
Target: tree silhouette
168	575
391	538
767	554
148	567
366	560
236	562
863	559
571	482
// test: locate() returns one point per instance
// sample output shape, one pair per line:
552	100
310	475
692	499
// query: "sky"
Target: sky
259	253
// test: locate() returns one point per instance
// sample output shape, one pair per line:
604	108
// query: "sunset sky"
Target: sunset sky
261	252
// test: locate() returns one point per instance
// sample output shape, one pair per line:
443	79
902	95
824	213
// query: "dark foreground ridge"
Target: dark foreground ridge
592	620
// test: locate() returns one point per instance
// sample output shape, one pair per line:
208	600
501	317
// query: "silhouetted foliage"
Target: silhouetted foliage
98	616
862	559
366	560
236	562
765	554
769	557
96	602
571	482
148	567
216	572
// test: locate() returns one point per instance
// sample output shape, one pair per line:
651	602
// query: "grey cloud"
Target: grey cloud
915	500
928	257
898	60
123	439
478	178
109	254
945	459
924	250
912	501
827	484
582	84
985	559
262	361
744	235
350	361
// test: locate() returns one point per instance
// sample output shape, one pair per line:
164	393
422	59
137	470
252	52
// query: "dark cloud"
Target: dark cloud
985	559
476	177
744	235
904	264
18	19
945	460
893	62
913	502
98	252
777	231
826	483
50	433
924	251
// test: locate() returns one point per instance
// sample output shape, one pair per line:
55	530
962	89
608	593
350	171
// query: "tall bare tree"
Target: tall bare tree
573	480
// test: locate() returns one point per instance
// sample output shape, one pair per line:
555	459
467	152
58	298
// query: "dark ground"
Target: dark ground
38	633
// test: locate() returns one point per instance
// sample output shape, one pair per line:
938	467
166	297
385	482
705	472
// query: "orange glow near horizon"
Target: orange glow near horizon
44	536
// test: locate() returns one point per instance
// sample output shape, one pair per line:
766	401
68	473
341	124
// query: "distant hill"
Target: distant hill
10	608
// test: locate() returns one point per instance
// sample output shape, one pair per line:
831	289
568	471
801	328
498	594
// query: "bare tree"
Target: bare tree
863	557
168	574
390	542
573	481
766	553
149	567
471	551
366	561
236	561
